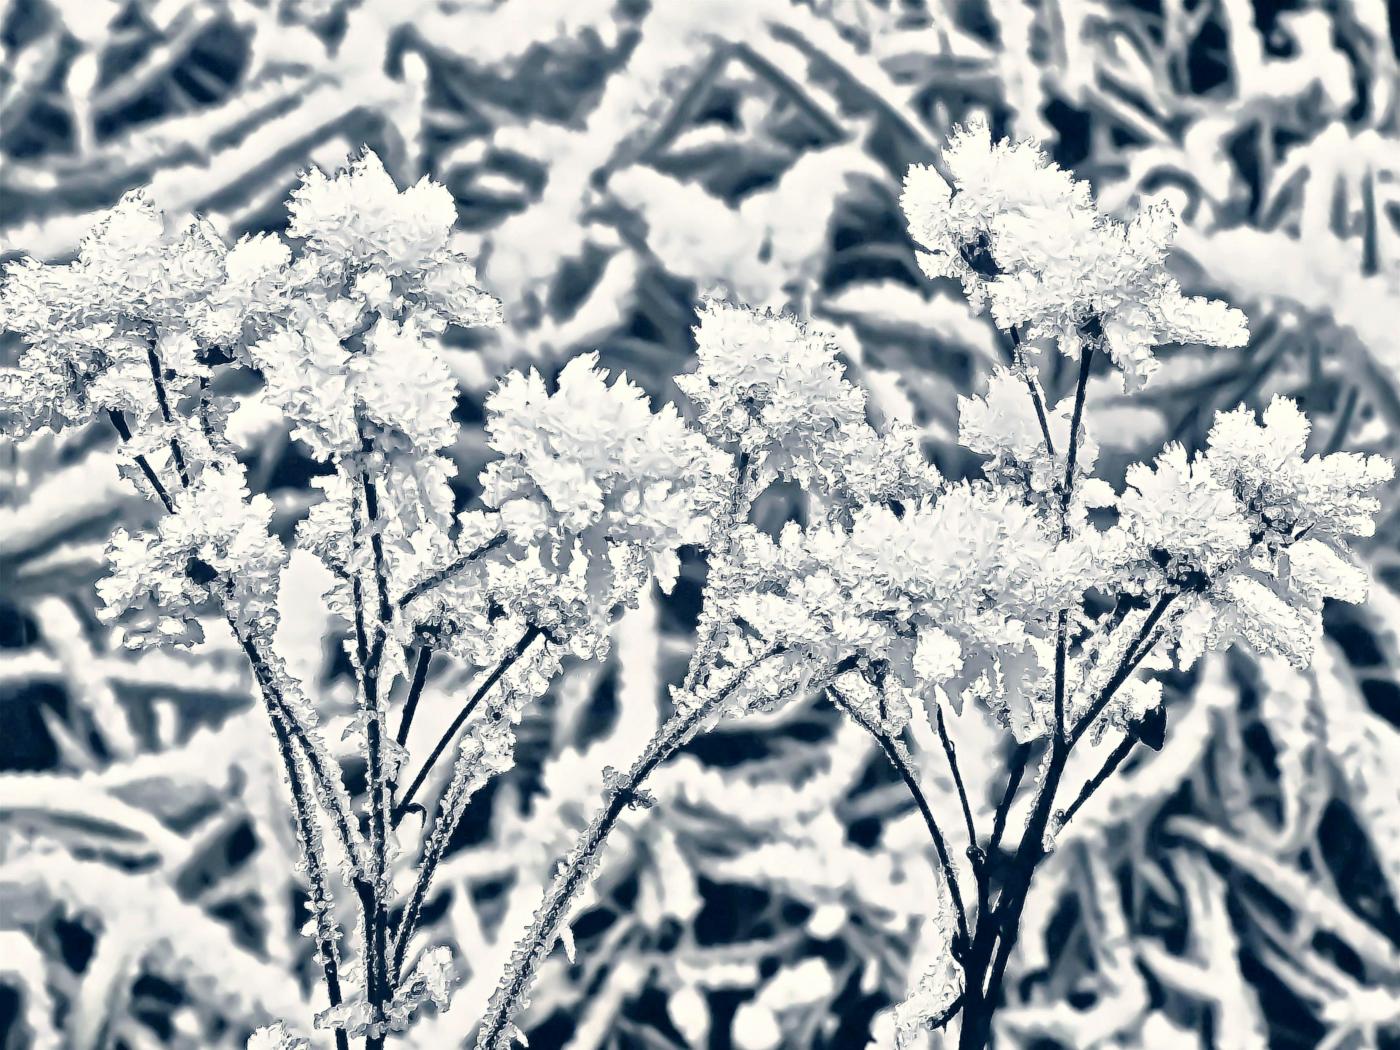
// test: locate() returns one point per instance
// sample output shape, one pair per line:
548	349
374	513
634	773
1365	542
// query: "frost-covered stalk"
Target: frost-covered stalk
1202	551
905	595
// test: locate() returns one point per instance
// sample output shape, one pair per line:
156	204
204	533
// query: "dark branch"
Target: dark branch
1114	760
448	571
415	691
514	654
898	759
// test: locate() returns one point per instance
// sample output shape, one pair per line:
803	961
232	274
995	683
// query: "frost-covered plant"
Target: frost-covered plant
904	597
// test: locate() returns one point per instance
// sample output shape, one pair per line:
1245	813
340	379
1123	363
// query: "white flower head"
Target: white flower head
215	547
1328	496
360	218
767	383
1026	237
1002	424
136	274
1181	516
604	466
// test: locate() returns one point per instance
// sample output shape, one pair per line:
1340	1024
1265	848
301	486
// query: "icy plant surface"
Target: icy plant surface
1235	888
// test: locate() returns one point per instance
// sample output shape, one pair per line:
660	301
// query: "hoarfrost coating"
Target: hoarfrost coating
929	702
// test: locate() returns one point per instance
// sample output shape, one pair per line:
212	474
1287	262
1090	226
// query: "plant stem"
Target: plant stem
448	571
899	757
1111	764
974	851
1018	359
450	810
152	478
1019	758
370	653
1132	657
415	692
175	451
507	661
321	901
497	1025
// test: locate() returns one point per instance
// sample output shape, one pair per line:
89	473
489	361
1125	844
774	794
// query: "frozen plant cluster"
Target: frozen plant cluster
1037	594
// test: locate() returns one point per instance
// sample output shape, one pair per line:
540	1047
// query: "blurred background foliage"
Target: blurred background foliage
613	159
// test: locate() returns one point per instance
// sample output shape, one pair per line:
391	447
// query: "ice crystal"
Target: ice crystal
215	548
276	1037
1286	493
358	217
592	464
768	385
1025	237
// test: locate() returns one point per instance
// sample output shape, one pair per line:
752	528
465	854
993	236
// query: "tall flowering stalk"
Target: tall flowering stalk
905	594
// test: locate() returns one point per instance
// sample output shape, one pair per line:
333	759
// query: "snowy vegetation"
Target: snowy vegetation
904	597
1235	888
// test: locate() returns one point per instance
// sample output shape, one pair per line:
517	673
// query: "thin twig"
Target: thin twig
316	877
974	852
900	759
1132	657
1114	760
152	478
1018	359
175	451
507	661
574	872
1019	758
448	571
415	691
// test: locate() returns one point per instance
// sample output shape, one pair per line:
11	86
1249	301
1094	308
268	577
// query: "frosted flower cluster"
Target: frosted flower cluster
773	389
87	325
968	613
1027	239
1002	425
767	383
1253	531
216	547
591	464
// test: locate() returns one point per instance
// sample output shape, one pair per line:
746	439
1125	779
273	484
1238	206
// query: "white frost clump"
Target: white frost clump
1252	532
1025	237
276	1037
360	218
768	383
592	464
216	547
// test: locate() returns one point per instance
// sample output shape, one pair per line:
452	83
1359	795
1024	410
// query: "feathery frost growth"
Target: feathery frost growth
905	596
1026	239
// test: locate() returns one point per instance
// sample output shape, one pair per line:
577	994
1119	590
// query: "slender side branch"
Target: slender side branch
1018	359
974	851
1134	655
499	1022
148	471
1111	764
899	757
450	809
449	570
176	453
321	900
415	692
1019	758
507	661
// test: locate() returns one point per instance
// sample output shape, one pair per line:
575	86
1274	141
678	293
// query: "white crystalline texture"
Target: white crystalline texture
1181	509
360	218
1329	496
595	465
215	548
276	1037
1024	236
768	383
